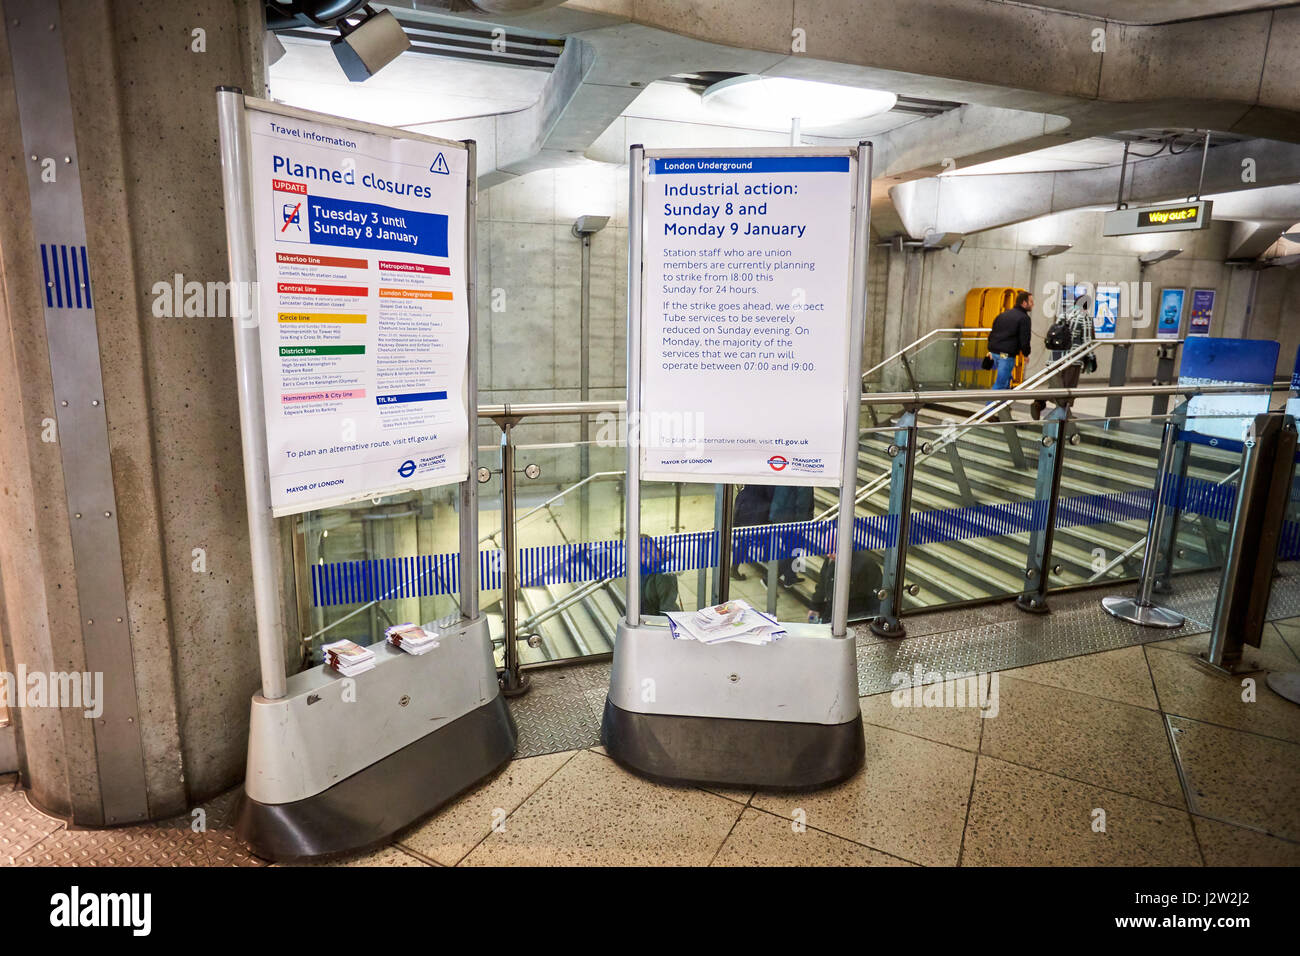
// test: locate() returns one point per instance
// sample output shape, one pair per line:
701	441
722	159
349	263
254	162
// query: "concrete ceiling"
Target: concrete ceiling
1156	11
412	90
679	102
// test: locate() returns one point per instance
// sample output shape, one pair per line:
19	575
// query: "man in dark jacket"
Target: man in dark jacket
1009	337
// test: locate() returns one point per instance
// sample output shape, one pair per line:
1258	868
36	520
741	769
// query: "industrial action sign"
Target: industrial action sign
363	322
745	317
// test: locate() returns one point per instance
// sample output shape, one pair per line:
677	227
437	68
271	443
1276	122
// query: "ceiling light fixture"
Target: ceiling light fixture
774	101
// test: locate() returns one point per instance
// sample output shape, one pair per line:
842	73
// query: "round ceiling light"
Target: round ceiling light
773	101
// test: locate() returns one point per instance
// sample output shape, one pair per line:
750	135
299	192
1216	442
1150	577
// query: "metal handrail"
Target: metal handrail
995	407
974	333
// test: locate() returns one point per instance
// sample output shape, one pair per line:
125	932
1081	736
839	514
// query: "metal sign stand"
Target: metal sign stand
337	764
781	715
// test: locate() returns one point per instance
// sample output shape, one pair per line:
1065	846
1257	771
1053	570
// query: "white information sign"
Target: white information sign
745	317
363	319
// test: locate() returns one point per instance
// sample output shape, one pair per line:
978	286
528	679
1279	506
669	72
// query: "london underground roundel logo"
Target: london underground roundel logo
407	468
776	462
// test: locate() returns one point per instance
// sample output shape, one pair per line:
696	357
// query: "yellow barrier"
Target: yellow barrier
983	305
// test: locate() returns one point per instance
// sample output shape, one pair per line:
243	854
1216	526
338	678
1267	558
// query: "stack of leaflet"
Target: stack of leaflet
733	621
348	658
411	638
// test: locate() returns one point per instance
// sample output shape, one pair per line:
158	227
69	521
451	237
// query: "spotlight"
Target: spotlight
1157	255
370	44
1055	249
585	226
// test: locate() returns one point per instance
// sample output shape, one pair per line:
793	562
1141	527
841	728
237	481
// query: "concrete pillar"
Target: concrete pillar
141	79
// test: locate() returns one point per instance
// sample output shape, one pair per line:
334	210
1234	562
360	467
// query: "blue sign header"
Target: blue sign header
750	164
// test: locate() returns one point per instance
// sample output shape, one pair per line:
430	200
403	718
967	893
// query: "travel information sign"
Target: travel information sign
746	266
363	324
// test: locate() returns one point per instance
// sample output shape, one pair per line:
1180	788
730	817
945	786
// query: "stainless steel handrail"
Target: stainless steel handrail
926	397
981	333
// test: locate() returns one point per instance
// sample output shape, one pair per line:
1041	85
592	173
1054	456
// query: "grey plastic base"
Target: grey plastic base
1147	615
783	715
727	752
370	806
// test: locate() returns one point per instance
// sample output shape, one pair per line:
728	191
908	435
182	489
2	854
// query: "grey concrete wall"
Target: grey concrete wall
1000	257
1276	314
530	278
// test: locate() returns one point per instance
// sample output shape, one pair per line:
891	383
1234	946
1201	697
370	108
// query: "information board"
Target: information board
1170	318
363	324
1202	312
746	267
1222	419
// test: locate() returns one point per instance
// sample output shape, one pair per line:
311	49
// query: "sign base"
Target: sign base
782	716
339	764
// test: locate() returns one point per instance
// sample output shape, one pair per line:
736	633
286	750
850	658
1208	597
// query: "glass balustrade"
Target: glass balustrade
979	493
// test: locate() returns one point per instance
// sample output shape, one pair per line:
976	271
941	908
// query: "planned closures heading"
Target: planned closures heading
746	273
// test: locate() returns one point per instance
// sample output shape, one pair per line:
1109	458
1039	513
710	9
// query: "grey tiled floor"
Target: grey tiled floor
1110	745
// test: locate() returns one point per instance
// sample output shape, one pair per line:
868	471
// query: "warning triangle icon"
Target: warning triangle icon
440	165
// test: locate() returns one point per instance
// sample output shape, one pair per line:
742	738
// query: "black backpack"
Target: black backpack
1059	337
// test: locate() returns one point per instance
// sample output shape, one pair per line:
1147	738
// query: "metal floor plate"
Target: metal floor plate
556	714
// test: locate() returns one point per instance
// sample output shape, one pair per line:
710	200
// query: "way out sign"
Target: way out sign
746	266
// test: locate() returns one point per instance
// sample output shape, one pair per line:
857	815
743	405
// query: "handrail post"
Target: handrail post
725	514
1139	609
1168	543
1047	490
893	583
513	683
1164	376
1118	376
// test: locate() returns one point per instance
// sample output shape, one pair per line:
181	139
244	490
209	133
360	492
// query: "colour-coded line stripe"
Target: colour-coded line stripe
341	318
289	351
414	294
413	267
311	288
410	397
306	259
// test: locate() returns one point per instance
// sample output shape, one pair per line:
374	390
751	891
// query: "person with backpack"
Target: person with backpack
1068	332
864	582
